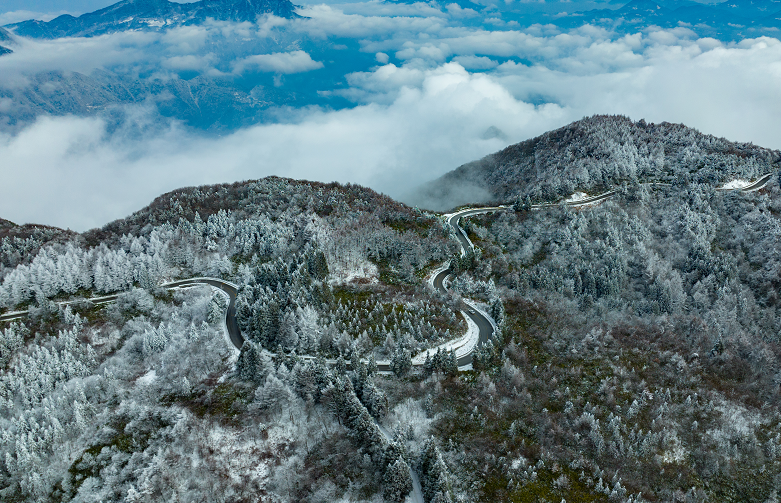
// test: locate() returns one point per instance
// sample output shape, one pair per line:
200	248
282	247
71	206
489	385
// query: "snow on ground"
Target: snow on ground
409	416
147	378
735	184
433	274
577	196
462	346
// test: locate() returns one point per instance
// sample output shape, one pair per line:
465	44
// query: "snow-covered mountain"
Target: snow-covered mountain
5	39
639	333
596	153
152	15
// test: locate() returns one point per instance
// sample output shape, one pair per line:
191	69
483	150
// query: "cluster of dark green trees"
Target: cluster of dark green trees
355	401
267	301
433	474
442	361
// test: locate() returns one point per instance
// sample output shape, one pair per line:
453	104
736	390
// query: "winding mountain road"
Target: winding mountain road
230	313
226	286
483	321
758	184
485	325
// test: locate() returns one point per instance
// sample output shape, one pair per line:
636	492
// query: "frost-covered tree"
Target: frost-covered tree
397	482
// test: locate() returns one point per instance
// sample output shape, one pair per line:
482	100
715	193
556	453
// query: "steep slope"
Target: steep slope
300	254
152	15
595	153
636	356
5	39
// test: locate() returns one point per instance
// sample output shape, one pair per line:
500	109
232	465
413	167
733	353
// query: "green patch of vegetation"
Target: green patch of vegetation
89	464
539	255
389	275
92	313
549	485
417	225
426	270
349	295
225	401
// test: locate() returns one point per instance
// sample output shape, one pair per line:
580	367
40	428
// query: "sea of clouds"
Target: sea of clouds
442	92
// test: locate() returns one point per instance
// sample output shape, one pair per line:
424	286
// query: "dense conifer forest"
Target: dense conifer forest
635	357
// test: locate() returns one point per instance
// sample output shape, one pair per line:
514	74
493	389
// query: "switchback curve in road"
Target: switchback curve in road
229	288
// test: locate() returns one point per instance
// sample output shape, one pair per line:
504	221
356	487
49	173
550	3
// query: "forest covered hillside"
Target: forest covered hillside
596	154
634	353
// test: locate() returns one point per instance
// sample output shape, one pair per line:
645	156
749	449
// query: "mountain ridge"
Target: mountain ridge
638	342
726	20
595	153
151	15
7	39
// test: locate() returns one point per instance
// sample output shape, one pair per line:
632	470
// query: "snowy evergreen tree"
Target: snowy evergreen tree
397	482
253	363
401	363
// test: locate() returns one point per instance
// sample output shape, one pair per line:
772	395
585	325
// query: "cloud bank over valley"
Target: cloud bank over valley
380	94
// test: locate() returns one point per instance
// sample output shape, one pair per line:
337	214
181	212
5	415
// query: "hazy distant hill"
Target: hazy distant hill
208	103
597	153
152	15
727	20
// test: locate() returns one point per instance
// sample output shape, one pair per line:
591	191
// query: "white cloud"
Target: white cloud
74	174
476	62
186	39
77	54
726	90
190	62
278	62
323	21
412	121
455	10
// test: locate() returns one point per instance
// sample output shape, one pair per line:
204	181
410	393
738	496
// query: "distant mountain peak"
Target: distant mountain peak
152	15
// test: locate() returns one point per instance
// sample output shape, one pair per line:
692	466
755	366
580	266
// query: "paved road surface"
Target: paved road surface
230	314
760	183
